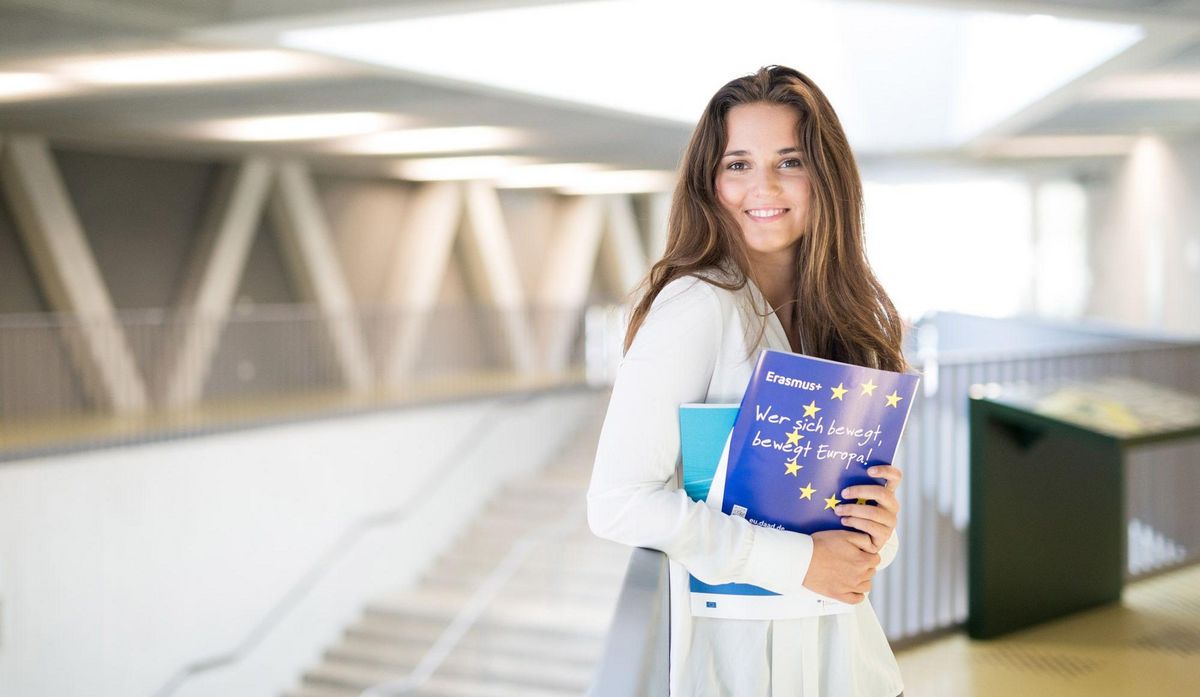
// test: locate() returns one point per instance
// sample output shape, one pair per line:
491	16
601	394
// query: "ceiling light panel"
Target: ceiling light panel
1154	86
547	176
291	127
416	141
457	168
185	66
1063	146
18	86
633	181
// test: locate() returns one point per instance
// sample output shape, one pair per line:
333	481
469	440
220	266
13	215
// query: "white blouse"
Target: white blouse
692	347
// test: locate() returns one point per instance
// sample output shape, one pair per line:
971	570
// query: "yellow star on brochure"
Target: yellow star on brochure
893	399
831	502
794	437
792	467
839	391
807	491
861	502
868	387
811	409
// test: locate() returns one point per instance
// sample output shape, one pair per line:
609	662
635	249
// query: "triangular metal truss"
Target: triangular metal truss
536	328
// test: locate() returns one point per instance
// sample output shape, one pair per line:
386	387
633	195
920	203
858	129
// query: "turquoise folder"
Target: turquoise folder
703	430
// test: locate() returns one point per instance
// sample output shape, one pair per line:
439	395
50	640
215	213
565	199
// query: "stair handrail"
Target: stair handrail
636	657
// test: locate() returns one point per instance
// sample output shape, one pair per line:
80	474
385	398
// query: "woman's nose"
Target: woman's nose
766	181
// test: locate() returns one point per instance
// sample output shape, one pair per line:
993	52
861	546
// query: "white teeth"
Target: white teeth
765	212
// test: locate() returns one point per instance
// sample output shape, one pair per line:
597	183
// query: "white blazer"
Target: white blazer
692	347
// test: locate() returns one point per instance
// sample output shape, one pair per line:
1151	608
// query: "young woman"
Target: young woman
768	210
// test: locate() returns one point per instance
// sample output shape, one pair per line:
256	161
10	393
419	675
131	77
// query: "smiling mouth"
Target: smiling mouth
766	213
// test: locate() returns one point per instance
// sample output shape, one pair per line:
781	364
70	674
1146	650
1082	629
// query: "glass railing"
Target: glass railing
153	373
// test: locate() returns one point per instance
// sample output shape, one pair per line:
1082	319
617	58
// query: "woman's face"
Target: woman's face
761	180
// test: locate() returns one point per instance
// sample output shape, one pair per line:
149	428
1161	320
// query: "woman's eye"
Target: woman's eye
737	166
791	162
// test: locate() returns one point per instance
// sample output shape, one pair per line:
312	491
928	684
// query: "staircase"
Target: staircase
542	589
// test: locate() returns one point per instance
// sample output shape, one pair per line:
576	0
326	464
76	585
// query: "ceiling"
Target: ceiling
893	110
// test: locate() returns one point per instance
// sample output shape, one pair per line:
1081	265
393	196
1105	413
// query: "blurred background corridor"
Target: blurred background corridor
309	311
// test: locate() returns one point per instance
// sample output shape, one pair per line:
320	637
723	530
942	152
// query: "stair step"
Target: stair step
539	578
490	544
376	637
562	584
306	690
549	484
342	675
458	687
532	569
484	554
556	616
468	687
471	662
541	501
540	612
390	628
593	555
491	525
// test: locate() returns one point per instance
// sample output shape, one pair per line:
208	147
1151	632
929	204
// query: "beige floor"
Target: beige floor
1147	645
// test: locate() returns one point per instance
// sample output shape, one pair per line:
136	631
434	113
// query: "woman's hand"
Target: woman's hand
843	563
876	521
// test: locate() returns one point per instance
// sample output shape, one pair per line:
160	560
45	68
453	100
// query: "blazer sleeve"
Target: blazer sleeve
630	499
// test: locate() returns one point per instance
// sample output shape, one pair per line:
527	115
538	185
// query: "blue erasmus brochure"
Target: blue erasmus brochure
806	429
704	439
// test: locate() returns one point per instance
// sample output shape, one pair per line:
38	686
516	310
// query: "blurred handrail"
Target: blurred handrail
636	657
1118	346
1082	326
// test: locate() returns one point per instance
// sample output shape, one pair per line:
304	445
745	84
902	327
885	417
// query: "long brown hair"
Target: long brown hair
847	316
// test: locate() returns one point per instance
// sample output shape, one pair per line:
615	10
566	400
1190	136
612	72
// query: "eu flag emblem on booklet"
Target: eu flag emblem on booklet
806	429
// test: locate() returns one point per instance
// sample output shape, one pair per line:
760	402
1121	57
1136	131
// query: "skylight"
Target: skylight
901	77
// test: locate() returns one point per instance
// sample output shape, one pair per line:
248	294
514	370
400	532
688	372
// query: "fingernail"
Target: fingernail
874	471
845	493
839	509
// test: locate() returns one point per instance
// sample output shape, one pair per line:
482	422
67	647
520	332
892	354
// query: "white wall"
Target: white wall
951	239
1145	239
119	567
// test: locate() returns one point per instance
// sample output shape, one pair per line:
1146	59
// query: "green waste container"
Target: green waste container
1048	535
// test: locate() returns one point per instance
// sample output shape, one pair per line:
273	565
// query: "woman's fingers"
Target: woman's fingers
876	521
893	475
843	563
872	492
879	514
883	495
878	532
863	542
